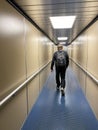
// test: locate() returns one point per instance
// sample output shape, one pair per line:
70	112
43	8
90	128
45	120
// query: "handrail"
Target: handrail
88	73
22	85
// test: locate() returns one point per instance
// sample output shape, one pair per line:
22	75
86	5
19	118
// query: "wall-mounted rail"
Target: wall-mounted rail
89	74
22	85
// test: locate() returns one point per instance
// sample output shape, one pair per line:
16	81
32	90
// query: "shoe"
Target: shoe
57	87
62	91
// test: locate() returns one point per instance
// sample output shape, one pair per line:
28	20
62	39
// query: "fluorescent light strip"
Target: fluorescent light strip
60	22
62	43
62	38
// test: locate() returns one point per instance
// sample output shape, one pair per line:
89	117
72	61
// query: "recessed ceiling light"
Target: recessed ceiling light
60	22
62	38
62	42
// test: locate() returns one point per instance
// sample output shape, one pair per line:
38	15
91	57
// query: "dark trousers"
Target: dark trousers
60	75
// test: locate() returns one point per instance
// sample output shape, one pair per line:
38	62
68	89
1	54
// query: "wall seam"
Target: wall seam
25	63
86	65
39	62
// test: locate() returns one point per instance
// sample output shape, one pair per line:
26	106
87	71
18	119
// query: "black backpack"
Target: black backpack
60	58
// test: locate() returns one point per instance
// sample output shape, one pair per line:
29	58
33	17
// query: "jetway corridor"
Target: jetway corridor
52	111
28	40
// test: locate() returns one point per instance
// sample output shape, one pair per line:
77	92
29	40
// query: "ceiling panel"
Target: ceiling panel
40	11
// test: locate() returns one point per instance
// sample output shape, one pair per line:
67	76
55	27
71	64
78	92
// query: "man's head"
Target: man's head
60	47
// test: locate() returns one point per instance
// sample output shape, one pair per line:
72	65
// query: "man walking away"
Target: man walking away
61	61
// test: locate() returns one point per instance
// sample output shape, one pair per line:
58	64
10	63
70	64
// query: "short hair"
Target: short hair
59	46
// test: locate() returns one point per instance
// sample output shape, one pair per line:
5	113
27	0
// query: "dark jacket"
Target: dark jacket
54	59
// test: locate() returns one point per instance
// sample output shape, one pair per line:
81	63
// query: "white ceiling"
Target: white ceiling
40	11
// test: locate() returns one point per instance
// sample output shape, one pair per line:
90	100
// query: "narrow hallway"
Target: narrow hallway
55	112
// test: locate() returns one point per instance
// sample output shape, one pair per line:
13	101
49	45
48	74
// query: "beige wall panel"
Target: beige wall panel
87	58
12	55
55	48
93	50
31	48
50	50
82	53
92	95
82	59
70	51
44	76
75	52
23	50
43	50
82	80
33	91
12	114
79	50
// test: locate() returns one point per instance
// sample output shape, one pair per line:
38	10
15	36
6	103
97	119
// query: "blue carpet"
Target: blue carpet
55	112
